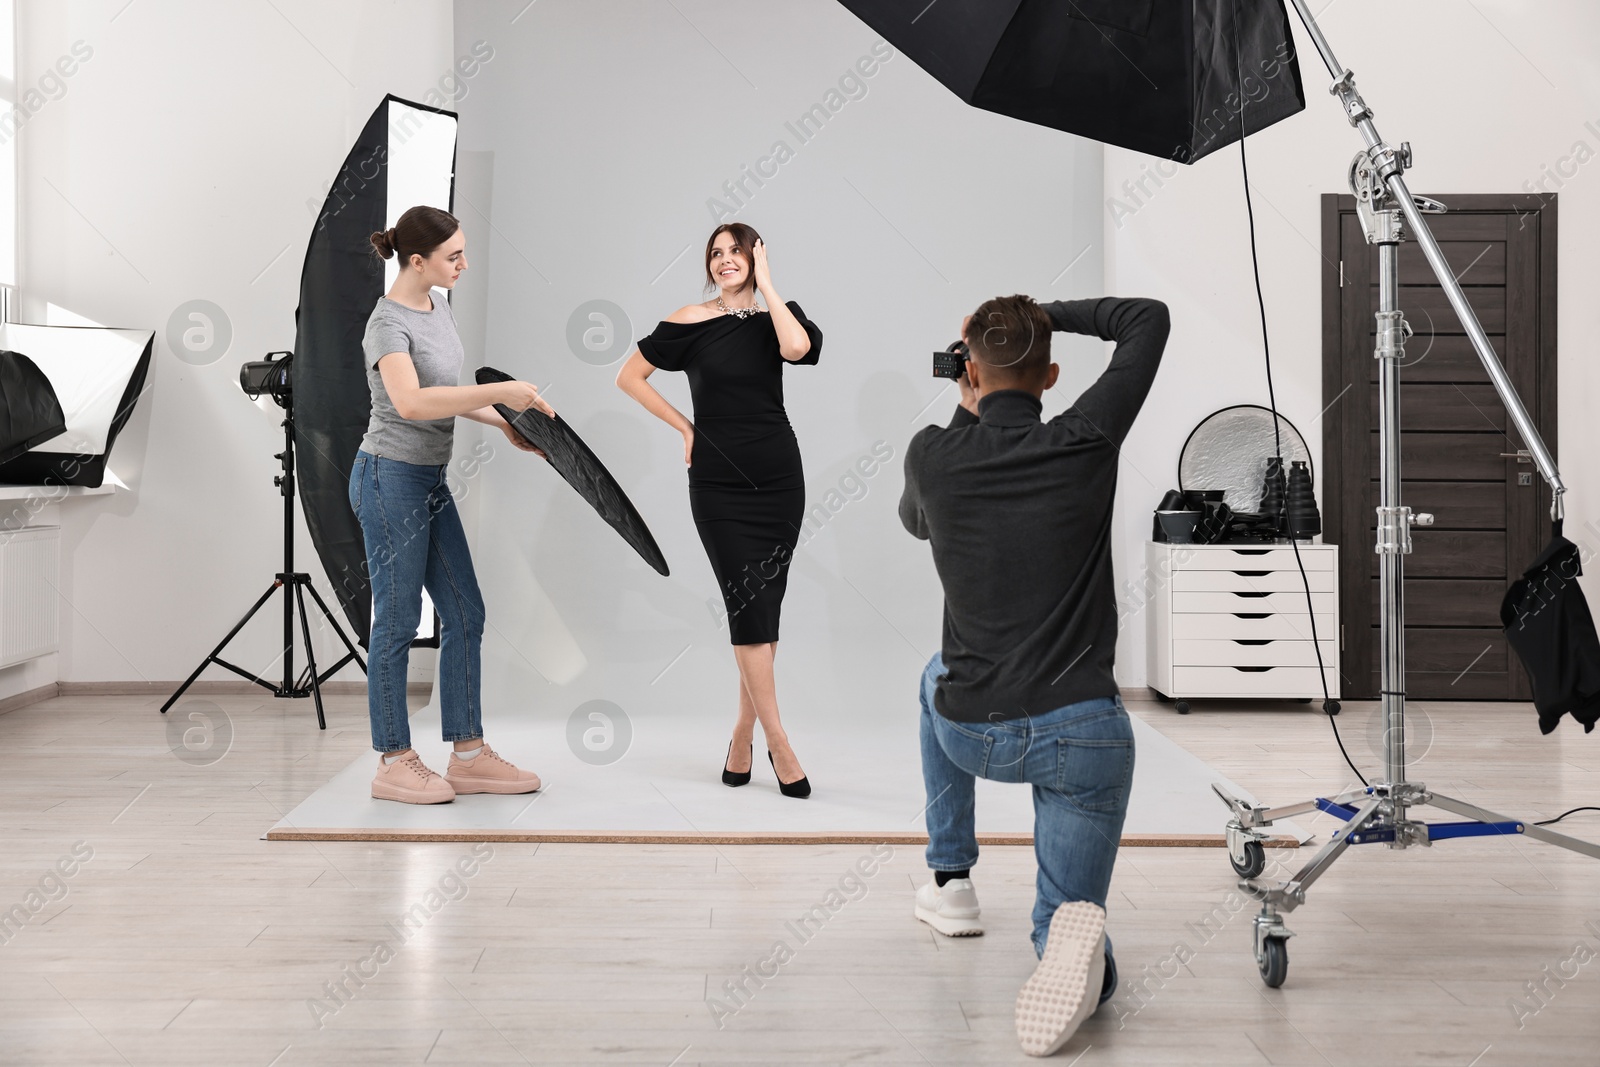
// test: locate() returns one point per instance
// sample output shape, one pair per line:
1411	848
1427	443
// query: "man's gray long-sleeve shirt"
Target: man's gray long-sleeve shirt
1018	513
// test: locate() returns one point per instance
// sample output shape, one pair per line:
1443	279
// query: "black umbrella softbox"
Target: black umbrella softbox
96	374
1168	77
30	413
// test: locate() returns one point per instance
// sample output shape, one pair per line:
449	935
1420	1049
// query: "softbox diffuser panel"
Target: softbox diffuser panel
405	156
98	374
1178	79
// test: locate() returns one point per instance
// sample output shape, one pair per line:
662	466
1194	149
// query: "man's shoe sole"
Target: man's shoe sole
948	926
1050	1002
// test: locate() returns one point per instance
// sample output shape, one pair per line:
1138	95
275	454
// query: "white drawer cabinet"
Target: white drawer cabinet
1235	621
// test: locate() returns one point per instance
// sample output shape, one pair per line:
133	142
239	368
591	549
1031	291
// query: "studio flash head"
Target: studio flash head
270	376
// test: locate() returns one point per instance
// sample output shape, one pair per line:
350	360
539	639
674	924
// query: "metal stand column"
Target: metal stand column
1379	813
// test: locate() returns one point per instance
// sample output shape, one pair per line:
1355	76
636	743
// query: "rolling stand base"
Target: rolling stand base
1380	818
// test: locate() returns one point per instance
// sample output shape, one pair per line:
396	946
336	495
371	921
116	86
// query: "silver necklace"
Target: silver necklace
738	313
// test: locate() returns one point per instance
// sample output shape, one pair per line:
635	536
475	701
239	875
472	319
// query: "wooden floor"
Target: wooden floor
180	937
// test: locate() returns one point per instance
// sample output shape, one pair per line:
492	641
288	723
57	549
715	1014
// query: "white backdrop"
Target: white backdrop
591	148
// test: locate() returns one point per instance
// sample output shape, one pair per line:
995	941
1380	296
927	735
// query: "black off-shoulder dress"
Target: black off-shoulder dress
746	485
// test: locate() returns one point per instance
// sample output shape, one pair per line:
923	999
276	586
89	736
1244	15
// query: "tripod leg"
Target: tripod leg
220	646
1538	833
311	656
348	644
1290	894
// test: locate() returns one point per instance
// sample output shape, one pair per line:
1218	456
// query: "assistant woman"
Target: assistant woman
746	485
409	522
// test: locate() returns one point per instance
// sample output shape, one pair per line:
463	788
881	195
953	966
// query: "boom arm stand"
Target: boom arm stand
1381	813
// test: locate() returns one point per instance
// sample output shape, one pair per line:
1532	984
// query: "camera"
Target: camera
952	362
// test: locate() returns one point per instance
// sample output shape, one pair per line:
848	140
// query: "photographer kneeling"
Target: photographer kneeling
1018	513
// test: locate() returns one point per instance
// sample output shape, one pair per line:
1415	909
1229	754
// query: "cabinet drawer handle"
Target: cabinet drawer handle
1252	614
1251	551
1253	596
1253	670
1251	641
1252	574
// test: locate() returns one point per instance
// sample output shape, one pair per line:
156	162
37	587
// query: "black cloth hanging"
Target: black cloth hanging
30	411
1548	625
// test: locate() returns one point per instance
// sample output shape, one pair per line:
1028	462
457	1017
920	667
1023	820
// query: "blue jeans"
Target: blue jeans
1079	760
414	540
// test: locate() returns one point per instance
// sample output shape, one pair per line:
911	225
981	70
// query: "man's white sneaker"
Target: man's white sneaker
1065	988
952	910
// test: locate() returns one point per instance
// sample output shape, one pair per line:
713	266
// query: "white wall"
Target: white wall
1488	93
186	159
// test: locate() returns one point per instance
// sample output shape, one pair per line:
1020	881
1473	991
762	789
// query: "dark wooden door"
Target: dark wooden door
1491	510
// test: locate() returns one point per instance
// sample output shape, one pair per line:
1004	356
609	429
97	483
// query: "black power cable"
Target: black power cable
1272	402
1563	815
1277	437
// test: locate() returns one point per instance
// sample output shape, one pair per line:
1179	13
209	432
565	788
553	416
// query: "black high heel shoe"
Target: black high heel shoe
735	777
801	787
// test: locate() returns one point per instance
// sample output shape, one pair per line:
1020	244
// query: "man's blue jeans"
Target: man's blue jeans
1079	760
414	540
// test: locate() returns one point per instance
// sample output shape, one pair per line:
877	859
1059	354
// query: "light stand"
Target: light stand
310	682
1379	813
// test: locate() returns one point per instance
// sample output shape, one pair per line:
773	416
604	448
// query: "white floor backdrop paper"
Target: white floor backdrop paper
664	785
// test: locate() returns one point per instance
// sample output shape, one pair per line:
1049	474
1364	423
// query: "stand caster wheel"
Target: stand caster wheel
1255	860
1275	962
1182	706
1330	707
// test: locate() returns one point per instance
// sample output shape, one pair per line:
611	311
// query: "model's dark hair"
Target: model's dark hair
745	238
420	230
1010	336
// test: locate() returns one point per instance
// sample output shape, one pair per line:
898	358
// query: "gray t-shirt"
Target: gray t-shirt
435	347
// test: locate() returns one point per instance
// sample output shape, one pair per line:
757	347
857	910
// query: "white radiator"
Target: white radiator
30	566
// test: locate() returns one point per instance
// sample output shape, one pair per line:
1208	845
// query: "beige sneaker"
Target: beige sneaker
408	781
487	772
1065	988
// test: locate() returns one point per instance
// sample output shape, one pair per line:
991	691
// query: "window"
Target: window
8	156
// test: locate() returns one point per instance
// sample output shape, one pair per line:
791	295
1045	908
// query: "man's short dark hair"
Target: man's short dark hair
1010	336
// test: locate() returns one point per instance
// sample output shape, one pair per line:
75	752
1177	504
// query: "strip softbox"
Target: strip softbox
97	374
405	156
1173	78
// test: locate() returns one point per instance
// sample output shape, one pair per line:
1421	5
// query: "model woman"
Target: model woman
408	518
746	487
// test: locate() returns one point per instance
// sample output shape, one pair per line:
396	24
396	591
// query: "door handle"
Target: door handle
1521	455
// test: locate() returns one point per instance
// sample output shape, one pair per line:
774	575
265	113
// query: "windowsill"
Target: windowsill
57	492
